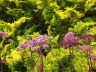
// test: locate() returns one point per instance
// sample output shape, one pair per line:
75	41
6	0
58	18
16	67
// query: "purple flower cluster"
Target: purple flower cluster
70	40
88	37
45	46
93	57
3	34
4	62
70	37
10	40
36	43
86	48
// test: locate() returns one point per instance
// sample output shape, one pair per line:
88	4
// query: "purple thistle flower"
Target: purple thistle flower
69	36
36	49
70	40
4	62
3	34
88	37
93	57
30	46
25	44
86	48
35	42
45	46
10	41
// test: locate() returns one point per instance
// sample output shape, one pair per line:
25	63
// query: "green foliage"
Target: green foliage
27	37
56	16
54	41
79	66
69	13
83	27
12	27
15	59
26	19
90	5
54	59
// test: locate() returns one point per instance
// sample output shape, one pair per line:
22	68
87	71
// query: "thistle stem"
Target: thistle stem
41	60
1	68
70	51
88	62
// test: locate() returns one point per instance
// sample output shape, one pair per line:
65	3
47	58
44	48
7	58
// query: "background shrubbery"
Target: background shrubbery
27	19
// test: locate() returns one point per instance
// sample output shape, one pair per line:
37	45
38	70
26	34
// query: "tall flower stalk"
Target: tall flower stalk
2	35
87	49
38	44
68	42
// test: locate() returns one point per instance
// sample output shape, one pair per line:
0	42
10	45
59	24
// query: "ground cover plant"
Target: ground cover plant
47	35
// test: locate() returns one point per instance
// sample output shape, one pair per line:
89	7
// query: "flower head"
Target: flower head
10	41
86	48
70	40
36	42
93	57
4	62
25	44
45	46
3	34
69	36
88	37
